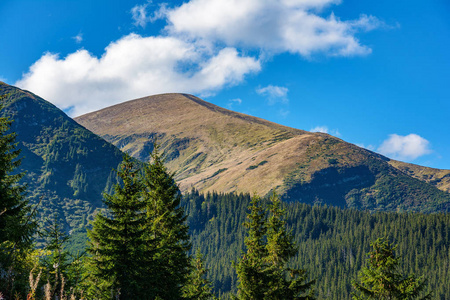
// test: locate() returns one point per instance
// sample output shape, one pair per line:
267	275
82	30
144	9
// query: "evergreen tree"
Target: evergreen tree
198	287
166	230
251	269
16	220
381	279
57	262
284	283
262	270
117	239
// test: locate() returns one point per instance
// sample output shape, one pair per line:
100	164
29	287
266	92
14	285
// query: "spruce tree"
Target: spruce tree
16	221
262	270
167	231
251	268
117	239
197	286
382	280
57	262
284	282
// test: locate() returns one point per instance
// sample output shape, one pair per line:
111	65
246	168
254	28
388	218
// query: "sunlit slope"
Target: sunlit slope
211	148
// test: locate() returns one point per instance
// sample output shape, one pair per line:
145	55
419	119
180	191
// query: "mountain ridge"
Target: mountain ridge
214	149
66	166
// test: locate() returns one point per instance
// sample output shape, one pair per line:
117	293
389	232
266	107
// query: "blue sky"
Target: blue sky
374	73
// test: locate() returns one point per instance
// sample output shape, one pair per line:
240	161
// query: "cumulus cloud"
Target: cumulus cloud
407	147
325	129
274	26
274	93
199	51
132	67
141	16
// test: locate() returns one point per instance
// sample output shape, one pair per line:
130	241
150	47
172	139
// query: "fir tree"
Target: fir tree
284	283
16	220
381	279
57	262
262	270
198	287
166	229
251	268
117	239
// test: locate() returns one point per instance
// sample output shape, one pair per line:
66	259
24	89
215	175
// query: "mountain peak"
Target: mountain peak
215	149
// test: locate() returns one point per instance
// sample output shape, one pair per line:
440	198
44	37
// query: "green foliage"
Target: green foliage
166	227
16	219
64	164
381	279
332	242
57	262
280	249
251	268
118	240
262	270
197	286
252	167
218	172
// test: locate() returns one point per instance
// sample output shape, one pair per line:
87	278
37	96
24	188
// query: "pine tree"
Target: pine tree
166	229
16	219
198	287
117	239
381	279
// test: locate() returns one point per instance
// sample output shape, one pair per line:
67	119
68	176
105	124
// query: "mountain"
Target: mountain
66	165
215	149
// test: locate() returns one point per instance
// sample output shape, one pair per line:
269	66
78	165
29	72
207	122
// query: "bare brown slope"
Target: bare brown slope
211	148
198	138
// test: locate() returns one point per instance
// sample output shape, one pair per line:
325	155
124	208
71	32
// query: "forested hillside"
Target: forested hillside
333	242
66	166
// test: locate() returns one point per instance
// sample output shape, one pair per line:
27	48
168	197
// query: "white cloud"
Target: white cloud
78	38
233	102
275	26
199	51
132	67
325	129
368	147
274	93
407	147
141	16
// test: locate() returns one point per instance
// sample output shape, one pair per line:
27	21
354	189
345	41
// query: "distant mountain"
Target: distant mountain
215	149
65	164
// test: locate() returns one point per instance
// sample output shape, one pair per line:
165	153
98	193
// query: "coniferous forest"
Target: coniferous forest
151	242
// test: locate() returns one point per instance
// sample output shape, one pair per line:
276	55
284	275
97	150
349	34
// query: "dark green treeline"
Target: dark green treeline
333	243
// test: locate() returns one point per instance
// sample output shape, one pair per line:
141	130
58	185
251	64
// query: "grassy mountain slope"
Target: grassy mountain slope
65	164
437	177
211	148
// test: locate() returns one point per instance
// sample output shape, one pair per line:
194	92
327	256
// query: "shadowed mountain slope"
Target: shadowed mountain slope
65	164
211	148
